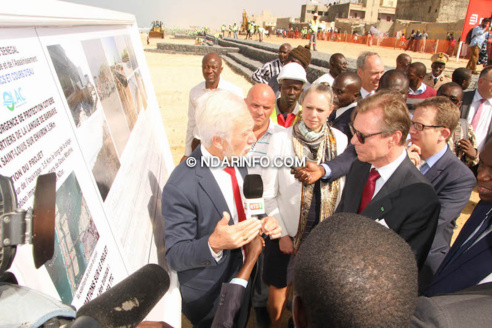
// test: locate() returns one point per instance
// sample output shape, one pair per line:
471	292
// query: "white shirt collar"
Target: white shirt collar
419	91
342	110
387	171
478	97
364	93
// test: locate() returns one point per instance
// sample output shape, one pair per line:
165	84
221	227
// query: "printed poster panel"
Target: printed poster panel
75	101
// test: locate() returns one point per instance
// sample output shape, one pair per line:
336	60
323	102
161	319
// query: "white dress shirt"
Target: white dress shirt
364	93
325	78
483	125
387	171
223	179
195	93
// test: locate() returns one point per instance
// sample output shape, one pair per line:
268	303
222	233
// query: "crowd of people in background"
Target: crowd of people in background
362	231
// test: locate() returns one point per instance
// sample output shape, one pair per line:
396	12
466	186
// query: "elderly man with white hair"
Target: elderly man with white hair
206	227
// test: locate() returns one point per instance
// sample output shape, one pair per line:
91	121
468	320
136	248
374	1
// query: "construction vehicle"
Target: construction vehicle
157	30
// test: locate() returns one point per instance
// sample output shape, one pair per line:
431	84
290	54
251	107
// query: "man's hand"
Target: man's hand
286	245
414	154
310	173
466	146
270	227
227	236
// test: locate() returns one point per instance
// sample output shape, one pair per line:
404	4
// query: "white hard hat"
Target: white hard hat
292	71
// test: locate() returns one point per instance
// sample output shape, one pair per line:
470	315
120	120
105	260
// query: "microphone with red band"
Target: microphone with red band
128	302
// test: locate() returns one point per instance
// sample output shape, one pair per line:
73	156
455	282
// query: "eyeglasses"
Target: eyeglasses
420	127
362	137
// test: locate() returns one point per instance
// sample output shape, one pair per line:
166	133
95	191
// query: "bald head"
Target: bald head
211	70
403	61
261	103
395	80
283	52
346	89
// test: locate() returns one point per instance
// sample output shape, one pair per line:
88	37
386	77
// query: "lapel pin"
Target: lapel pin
382	209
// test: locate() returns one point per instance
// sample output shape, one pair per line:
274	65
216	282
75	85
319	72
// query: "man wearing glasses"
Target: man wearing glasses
432	125
382	183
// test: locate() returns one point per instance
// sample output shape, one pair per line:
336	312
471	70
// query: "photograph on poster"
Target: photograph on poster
74	76
138	97
141	86
108	95
131	53
119	64
99	152
76	237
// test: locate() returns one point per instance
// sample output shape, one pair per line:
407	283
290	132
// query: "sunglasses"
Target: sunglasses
362	137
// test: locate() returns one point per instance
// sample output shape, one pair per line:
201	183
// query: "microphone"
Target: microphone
254	204
128	302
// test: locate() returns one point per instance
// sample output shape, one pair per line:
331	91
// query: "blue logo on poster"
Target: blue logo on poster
13	99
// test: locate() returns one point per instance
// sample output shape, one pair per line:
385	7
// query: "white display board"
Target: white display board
77	100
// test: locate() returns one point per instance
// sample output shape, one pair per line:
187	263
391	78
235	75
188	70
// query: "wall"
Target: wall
432	10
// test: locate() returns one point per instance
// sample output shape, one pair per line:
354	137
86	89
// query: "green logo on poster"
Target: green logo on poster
12	99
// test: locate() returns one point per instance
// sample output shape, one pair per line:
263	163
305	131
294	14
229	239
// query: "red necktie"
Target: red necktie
369	189
241	216
476	118
286	122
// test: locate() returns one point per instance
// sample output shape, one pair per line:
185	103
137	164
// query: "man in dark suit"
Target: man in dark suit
383	184
394	80
469	261
202	208
346	90
477	107
432	124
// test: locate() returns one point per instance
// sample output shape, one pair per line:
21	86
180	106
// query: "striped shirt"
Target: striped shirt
260	147
265	73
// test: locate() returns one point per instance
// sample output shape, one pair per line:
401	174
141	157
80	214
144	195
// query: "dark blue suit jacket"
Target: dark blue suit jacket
453	182
192	204
470	267
342	122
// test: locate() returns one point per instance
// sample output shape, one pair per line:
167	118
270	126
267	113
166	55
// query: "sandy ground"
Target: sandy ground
174	75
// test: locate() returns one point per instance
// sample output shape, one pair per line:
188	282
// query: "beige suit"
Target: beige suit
429	80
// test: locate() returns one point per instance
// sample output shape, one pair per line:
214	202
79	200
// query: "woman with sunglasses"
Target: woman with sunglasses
300	207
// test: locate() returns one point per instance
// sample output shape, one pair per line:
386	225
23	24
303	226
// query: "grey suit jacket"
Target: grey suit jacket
192	204
465	109
453	182
407	203
467	308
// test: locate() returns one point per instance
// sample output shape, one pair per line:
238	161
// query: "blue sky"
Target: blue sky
183	13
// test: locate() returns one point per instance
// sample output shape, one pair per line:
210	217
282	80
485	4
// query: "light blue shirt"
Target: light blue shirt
478	36
429	162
